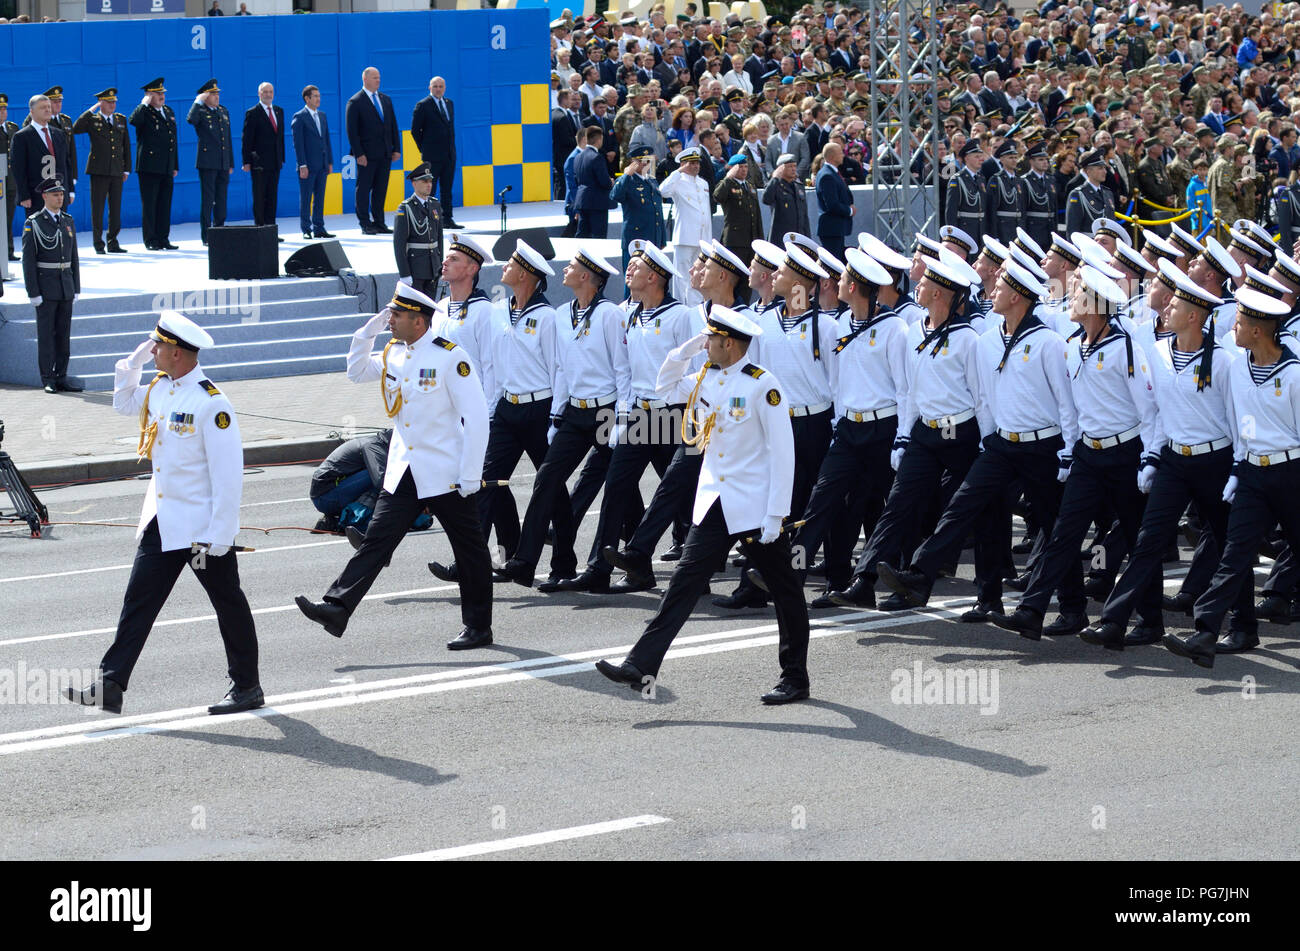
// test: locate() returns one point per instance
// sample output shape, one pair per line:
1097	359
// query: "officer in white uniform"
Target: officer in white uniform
692	217
190	514
742	426
435	460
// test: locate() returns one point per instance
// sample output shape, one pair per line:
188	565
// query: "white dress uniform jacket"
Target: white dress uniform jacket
943	379
591	353
1032	390
692	214
1267	415
870	371
1183	413
523	354
651	333
468	324
1108	399
789	355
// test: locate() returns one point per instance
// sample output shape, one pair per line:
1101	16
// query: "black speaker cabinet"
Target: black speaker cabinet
319	259
243	252
535	238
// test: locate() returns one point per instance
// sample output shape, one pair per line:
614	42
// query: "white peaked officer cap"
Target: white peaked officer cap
725	322
177	329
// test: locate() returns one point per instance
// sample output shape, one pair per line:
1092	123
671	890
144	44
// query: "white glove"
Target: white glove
140	355
896	458
617	434
1063	470
378	323
770	530
218	551
406	281
1146	478
550	433
37	300
76	297
468	487
145	100
697	344
1230	489
198	100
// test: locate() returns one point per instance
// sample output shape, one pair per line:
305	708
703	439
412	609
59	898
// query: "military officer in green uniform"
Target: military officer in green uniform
215	157
643	208
417	234
61	122
1153	183
7	129
742	219
155	164
108	165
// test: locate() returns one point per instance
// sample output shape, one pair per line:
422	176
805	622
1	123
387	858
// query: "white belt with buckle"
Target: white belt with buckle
592	404
427	247
1200	448
1107	441
809	410
57	265
1033	436
649	404
871	415
527	397
1272	458
946	421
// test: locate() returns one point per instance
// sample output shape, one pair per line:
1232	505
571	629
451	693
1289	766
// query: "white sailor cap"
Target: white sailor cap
863	268
882	253
833	265
1066	250
1248	245
802	264
1259	281
1186	290
1160	246
177	329
994	249
944	276
1257	231
1125	256
531	261
1017	255
407	298
1168	273
767	253
1288	272
801	240
1187	242
1023	282
957	236
1251	303
706	249
1103	288
1220	259
1112	228
1095	255
725	322
556	24
1027	244
725	257
656	260
471	247
928	247
589	258
954	263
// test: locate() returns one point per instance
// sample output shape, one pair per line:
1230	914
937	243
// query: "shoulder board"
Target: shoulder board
210	387
444	343
752	370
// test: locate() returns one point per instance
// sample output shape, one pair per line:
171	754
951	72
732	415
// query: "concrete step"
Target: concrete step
230	294
220	372
218	322
117	345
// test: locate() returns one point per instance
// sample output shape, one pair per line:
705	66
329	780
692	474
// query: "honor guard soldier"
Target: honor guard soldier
593	379
417	233
1024	380
1008	202
108	166
1090	200
215	156
967	201
1111	385
464	316
1286	212
7	130
1040	194
1264	389
191	510
741	426
155	164
643	207
52	273
433	396
64	124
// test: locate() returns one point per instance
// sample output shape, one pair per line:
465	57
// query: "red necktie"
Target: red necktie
271	113
48	144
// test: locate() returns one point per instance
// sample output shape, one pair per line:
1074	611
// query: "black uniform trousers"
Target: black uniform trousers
517	428
266	183
855	465
153	575
671	504
155	208
980	502
575	436
1179	479
931	455
213	185
53	338
1283	577
106	187
1265	497
1095	474
590	481
11	204
443	174
372	186
593	222
394	513
707	544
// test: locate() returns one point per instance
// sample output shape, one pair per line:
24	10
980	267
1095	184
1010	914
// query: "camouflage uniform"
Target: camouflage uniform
1222	182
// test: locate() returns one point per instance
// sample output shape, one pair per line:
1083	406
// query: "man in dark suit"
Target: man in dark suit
215	156
376	142
108	165
433	126
62	122
565	124
315	158
7	130
156	164
38	153
263	149
53	280
593	183
836	219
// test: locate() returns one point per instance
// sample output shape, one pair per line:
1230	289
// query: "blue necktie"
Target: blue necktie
374	97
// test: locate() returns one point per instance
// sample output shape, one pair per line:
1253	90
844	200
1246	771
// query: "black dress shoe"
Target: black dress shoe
553	582
368	229
822	602
68	386
444	572
741	599
327	523
1067	625
354	536
451	224
634	563
1098	587
672	554
14	257
784	692
631	582
909	584
306	235
99	249
740	561
520	572
118	249
1023	547
623	673
818	570
51	388
1019	583
1105	634
278	238
596	582
1025	622
895	602
1274	608
1144	634
168	246
860	594
1197	647
470	638
1180	603
383	229
981	612
105	694
1236	642
324	234
237	700
332	617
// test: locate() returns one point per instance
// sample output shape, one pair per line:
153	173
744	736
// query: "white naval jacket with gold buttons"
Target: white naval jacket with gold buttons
439	388
198	459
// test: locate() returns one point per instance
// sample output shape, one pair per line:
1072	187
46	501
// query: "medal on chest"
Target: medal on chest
737	407
1025	358
871	340
802	334
1277	386
181	422
1101	356
530	325
428	379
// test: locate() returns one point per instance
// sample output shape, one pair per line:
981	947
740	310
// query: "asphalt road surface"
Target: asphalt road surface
384	744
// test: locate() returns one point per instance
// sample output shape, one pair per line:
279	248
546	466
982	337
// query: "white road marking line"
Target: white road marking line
528	841
253	505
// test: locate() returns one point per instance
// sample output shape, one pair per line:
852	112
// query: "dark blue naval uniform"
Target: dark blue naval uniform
643	211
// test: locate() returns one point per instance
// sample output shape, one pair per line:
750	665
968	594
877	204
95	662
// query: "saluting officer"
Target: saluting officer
967	203
1008	201
52	273
108	165
435	461
7	130
156	164
742	428
1040	194
1090	200
215	156
191	510
417	233
643	207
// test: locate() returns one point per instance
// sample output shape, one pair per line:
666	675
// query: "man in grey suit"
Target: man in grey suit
786	140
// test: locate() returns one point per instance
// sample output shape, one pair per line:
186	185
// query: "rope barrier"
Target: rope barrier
1148	223
1148	201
